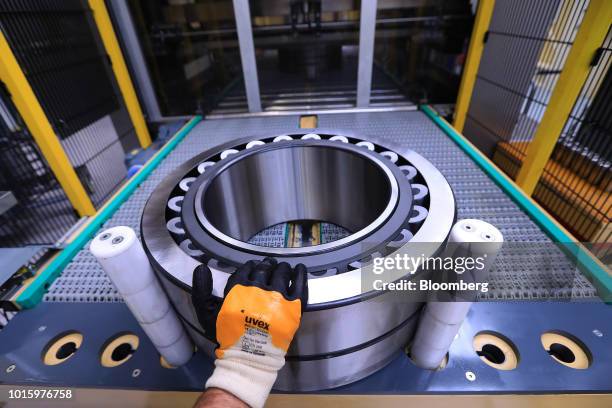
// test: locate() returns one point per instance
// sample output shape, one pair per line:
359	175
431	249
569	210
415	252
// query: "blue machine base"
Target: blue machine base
23	341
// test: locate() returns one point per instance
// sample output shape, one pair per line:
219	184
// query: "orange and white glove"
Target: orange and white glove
256	322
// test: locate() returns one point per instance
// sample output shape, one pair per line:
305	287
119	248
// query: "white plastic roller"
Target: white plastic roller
122	257
440	321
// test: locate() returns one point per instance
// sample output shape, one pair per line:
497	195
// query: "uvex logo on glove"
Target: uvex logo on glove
253	318
259	323
255	324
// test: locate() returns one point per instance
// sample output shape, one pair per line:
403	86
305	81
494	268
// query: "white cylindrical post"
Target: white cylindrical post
123	258
440	321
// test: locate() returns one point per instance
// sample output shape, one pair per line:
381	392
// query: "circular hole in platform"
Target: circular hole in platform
66	350
561	352
119	349
566	349
496	350
122	352
62	347
492	353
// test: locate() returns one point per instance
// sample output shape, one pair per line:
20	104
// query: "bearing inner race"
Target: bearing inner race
296	181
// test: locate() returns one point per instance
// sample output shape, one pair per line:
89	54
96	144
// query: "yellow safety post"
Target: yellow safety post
591	34
105	27
41	130
472	62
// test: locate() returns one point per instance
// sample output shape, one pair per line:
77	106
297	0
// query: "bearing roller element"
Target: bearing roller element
385	196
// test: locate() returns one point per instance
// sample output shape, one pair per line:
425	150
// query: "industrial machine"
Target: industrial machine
307	133
349	343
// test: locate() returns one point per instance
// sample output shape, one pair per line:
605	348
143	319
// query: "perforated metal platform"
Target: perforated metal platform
516	275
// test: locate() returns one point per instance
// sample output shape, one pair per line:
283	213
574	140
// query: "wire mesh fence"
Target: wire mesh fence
57	45
576	183
525	51
37	211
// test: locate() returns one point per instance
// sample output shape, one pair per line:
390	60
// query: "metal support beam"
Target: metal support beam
367	30
41	130
107	33
242	13
125	27
472	62
590	36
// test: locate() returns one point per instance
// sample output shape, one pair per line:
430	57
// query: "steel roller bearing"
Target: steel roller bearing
210	207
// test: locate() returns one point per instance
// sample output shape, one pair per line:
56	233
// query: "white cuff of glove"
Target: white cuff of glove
249	382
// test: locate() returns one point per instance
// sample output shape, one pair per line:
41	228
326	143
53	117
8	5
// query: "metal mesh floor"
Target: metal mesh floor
515	275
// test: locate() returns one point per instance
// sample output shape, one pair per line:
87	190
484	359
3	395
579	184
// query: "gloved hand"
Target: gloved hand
255	324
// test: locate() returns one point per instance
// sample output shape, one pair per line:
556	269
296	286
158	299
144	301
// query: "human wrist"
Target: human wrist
216	397
250	381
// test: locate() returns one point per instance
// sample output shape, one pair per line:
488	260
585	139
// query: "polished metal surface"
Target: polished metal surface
335	370
325	373
272	182
166	254
287	182
325	331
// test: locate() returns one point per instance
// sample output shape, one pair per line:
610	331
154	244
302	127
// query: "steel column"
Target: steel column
126	30
367	30
242	13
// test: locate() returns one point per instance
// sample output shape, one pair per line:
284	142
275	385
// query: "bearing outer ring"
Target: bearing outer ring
314	353
324	292
317	259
